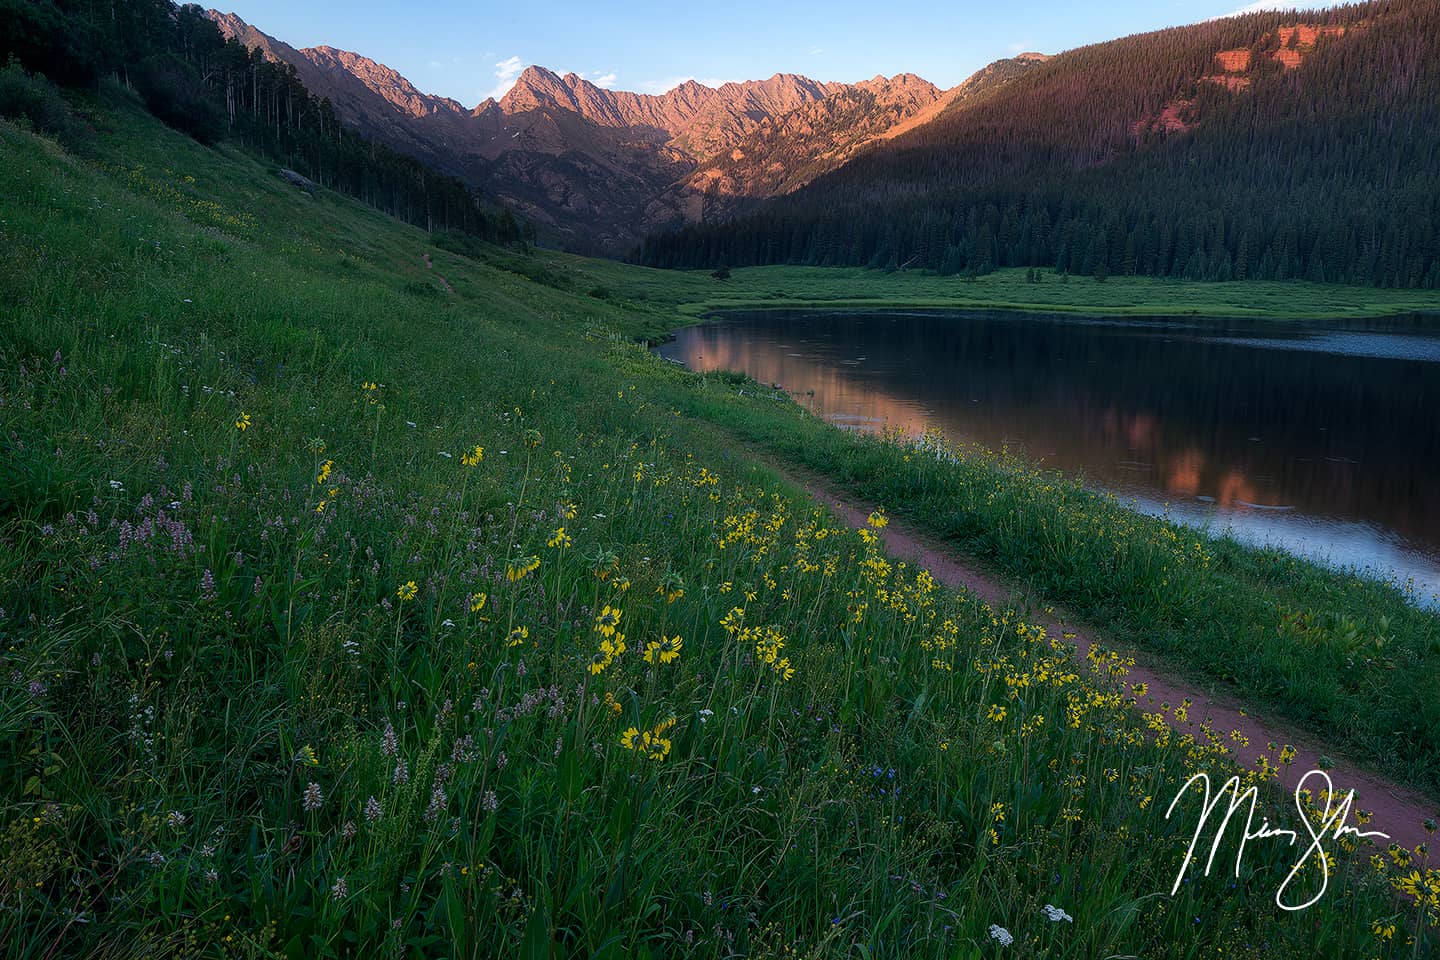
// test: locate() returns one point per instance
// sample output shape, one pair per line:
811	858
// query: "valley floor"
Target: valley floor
362	597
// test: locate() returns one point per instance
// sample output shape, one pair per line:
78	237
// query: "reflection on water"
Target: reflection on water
1319	439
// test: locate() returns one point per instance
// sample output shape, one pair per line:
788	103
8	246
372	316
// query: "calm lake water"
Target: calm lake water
1319	438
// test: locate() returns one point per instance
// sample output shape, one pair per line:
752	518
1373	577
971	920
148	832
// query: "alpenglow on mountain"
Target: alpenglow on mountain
596	170
1273	146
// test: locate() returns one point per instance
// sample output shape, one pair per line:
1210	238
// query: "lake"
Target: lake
1319	438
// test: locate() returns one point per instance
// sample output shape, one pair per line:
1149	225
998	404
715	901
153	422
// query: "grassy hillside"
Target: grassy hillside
344	614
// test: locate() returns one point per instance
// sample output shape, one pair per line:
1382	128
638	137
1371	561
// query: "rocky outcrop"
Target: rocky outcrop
1235	71
1299	39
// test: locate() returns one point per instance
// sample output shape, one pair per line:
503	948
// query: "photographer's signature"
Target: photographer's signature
1331	825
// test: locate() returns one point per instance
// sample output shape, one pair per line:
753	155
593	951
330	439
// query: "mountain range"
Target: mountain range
595	170
1271	145
1263	146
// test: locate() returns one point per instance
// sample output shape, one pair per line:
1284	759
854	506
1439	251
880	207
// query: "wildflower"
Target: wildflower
477	602
490	803
1382	930
348	830
340	890
307	756
521	568
473	457
653	743
878	520
531	439
407	590
604	564
324	473
1001	935
313	799
242	422
402	773
438	802
175	819
607	620
671	587
997	810
664	650
1055	914
517	636
996	713
388	744
560	539
373	810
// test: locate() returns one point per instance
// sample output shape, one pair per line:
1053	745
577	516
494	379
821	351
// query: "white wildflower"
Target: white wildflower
1001	935
1056	914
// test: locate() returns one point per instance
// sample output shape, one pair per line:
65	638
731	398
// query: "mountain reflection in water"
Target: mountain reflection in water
1316	438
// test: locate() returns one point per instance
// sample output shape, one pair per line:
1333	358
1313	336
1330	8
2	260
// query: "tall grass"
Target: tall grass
1351	659
342	617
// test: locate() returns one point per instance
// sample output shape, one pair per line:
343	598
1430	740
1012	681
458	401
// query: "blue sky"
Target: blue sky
472	50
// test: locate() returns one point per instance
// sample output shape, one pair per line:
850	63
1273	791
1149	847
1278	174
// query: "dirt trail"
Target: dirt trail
443	282
1399	811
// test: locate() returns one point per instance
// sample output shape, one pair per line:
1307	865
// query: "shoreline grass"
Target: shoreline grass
340	618
694	293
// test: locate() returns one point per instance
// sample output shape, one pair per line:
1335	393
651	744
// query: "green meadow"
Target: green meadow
352	612
695	292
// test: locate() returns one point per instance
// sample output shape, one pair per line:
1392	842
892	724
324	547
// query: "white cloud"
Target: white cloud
507	71
816	51
1019	46
1262	5
605	79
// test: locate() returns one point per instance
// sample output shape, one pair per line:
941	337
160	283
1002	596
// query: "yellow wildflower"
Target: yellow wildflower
407	590
664	650
521	568
607	620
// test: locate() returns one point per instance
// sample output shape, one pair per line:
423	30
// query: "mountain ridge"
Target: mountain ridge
597	169
1273	145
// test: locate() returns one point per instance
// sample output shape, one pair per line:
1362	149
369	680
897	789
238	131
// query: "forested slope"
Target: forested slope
1270	146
